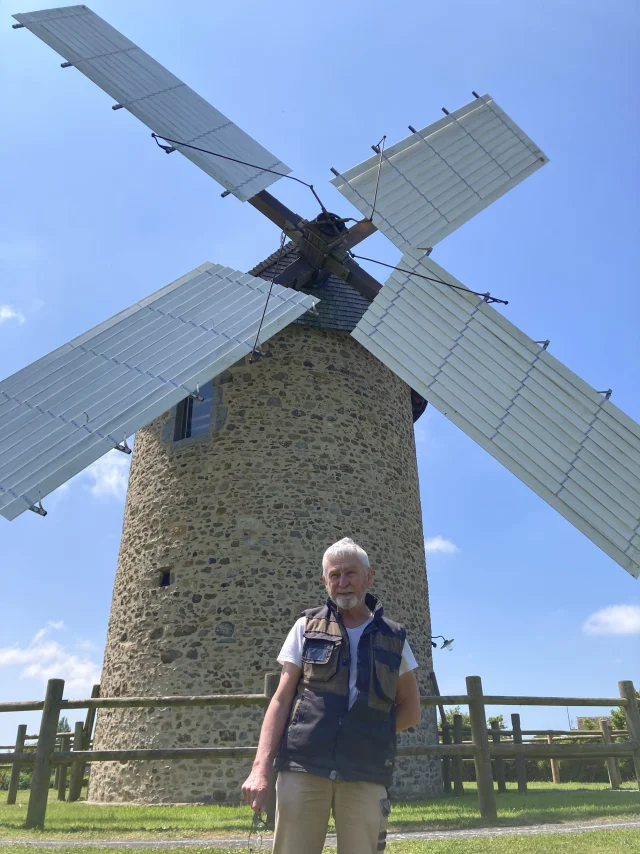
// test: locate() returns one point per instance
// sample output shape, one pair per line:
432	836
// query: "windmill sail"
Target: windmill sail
69	408
435	180
156	97
560	436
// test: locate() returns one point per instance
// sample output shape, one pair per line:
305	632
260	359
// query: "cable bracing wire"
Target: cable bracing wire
379	147
157	136
487	297
255	343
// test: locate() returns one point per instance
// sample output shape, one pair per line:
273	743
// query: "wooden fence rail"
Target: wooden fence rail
540	733
514	736
480	749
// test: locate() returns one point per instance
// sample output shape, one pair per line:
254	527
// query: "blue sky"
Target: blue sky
94	217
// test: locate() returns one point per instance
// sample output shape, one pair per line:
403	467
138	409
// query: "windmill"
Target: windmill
423	331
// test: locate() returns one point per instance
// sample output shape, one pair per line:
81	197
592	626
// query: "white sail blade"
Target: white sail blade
439	177
156	97
66	410
556	433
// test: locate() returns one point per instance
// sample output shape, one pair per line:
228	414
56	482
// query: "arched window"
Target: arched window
193	417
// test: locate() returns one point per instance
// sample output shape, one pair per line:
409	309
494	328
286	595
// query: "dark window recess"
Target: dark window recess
194	416
165	579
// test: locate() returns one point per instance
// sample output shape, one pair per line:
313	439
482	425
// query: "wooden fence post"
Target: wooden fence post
271	682
632	713
56	770
612	764
456	761
15	768
521	768
62	778
446	736
481	756
37	808
90	718
77	768
446	760
498	762
88	727
555	764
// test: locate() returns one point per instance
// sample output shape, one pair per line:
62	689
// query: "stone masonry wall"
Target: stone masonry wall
305	447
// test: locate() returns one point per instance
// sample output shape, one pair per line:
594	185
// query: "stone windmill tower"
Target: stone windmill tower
274	414
224	533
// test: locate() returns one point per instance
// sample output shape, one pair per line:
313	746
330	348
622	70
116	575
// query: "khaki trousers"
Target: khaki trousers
303	806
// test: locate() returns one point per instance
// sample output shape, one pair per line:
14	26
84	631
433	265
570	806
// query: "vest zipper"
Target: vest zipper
344	634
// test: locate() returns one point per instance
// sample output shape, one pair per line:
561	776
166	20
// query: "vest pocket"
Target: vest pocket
320	658
386	671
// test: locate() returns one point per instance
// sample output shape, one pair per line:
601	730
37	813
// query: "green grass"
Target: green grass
600	842
543	804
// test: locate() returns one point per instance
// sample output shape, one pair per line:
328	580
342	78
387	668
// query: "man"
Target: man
347	687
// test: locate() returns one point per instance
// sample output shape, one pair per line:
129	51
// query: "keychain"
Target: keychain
258	826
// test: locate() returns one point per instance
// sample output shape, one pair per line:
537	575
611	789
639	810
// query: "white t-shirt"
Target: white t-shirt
292	651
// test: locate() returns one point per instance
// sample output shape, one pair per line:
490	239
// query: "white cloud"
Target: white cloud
48	659
106	478
57	625
8	313
440	544
87	645
614	620
109	475
54	498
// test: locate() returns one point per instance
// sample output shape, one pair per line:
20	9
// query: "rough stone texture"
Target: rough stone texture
308	446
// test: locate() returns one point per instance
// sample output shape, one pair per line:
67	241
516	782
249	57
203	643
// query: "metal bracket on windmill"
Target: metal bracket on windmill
38	508
195	395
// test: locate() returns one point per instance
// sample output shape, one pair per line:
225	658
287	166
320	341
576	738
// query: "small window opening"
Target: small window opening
165	579
193	417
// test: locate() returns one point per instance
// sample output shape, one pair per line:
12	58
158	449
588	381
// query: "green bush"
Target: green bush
25	779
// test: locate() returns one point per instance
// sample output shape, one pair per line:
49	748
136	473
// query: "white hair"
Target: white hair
345	547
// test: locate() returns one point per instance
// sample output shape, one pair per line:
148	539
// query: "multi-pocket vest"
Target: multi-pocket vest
323	736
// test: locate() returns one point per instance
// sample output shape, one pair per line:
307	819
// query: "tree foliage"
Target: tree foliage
618	717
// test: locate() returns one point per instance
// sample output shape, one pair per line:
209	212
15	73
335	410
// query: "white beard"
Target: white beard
349	601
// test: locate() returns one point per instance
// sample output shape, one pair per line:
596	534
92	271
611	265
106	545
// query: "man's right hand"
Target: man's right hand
256	786
256	789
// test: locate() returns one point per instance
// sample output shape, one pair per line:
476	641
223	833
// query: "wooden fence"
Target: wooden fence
480	748
457	733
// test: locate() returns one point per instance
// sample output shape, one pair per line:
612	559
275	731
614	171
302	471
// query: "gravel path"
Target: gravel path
241	842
